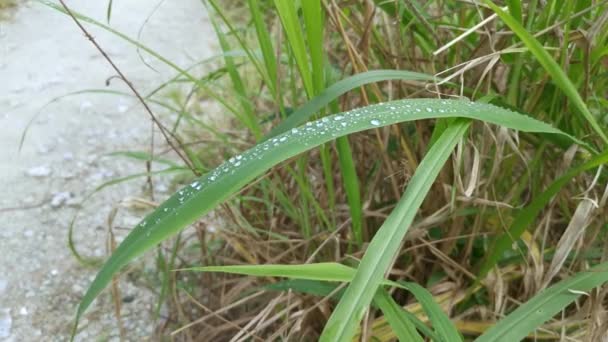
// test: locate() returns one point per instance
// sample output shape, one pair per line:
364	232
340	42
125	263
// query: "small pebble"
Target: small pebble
39	171
60	198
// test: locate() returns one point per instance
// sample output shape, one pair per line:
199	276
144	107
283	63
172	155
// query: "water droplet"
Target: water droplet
338	117
428	109
324	119
239	157
194	184
283	139
237	164
392	107
343	124
294	130
375	122
309	123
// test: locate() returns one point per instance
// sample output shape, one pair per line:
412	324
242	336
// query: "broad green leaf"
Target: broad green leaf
205	193
382	249
339	88
555	70
542	307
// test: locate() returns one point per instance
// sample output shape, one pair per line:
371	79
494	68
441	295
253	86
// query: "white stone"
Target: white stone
60	198
39	171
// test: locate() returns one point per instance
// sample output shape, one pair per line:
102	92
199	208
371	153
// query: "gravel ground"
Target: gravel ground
43	55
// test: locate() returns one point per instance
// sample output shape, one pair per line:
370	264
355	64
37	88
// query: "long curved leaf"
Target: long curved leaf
519	323
198	198
323	271
341	87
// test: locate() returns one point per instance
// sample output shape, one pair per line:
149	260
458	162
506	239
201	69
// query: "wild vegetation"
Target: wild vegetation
393	170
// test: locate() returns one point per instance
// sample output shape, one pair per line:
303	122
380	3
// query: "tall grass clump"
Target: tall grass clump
394	170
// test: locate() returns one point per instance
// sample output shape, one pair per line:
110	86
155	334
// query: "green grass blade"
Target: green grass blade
341	87
326	271
142	156
555	70
109	11
306	279
346	316
515	9
351	187
265	43
291	24
527	215
313	19
204	194
542	307
444	328
234	33
401	324
249	119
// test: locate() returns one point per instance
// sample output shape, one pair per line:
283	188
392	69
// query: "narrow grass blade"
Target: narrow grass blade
341	87
291	24
234	33
143	156
265	43
329	271
306	279
346	316
313	19
198	198
351	187
527	215
401	325
558	75
444	328
542	307
248	118
109	11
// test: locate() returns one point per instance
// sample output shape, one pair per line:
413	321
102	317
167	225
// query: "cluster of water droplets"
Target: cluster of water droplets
311	134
